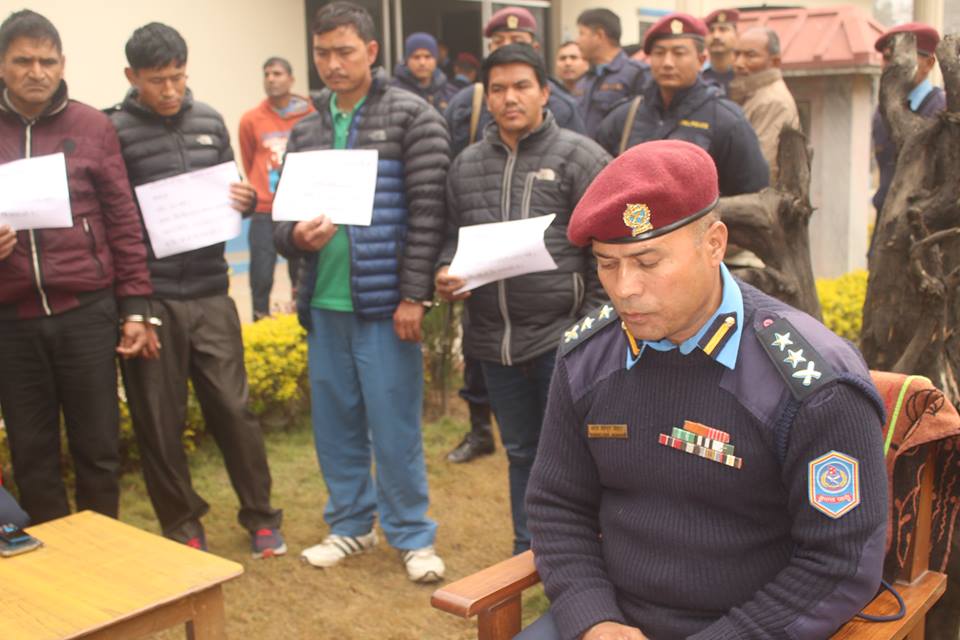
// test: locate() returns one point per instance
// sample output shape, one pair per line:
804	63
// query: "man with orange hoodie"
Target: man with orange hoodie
263	141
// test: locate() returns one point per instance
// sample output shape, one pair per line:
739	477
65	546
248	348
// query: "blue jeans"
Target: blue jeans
543	628
263	260
518	397
366	390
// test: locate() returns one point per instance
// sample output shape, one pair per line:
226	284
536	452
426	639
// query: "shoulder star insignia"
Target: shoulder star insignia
587	324
782	340
807	374
795	357
605	312
570	334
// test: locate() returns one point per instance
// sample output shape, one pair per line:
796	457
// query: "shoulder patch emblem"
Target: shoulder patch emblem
586	327
795	359
834	484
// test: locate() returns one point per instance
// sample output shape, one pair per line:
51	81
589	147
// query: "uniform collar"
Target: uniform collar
614	65
919	94
719	337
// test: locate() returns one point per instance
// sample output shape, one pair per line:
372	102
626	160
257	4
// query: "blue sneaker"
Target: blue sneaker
268	543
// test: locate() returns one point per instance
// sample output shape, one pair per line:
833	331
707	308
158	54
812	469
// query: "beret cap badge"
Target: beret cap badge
676	27
722	17
513	22
637	218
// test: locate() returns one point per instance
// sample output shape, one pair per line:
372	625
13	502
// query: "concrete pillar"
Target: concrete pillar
841	172
930	12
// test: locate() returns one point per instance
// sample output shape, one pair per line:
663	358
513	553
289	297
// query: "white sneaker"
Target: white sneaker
423	565
335	548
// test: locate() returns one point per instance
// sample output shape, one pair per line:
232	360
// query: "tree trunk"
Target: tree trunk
911	309
773	224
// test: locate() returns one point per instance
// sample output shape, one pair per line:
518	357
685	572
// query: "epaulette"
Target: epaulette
586	327
800	365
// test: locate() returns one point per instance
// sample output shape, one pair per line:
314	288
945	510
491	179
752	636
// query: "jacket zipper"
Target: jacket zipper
34	248
502	285
93	246
527	195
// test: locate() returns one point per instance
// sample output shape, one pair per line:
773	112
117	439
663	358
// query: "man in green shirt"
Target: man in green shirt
362	297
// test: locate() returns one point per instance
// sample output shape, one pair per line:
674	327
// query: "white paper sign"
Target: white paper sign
338	183
34	193
191	210
490	252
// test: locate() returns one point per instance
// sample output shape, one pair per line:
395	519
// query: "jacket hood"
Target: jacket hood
133	105
58	102
743	87
298	106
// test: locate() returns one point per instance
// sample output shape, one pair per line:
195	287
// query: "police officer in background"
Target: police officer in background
706	429
721	38
613	77
678	104
510	25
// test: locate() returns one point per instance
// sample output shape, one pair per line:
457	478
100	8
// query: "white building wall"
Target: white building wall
228	42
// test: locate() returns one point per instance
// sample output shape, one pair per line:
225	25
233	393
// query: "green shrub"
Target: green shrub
842	302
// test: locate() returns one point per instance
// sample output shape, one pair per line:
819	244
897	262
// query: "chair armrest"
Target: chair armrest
919	596
485	589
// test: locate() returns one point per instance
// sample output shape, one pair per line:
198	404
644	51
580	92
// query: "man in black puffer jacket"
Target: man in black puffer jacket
362	295
525	166
164	133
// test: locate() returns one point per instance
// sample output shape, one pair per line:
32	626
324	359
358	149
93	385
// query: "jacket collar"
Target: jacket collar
381	81
491	133
133	105
742	88
613	66
688	99
58	102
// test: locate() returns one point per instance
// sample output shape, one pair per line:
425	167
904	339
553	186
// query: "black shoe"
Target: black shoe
470	448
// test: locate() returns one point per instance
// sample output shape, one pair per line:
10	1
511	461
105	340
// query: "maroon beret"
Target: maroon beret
731	16
927	37
467	60
510	19
674	25
650	190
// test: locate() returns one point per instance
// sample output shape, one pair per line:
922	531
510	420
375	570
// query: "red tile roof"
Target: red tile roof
828	38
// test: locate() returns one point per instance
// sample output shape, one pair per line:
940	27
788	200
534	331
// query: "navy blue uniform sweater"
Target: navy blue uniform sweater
625	529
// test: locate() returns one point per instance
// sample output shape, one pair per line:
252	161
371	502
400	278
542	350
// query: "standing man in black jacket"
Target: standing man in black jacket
525	166
163	133
679	105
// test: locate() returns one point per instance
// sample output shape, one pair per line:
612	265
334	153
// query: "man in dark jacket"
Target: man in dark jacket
613	77
509	25
678	105
164	133
924	99
419	74
525	166
362	295
60	289
721	38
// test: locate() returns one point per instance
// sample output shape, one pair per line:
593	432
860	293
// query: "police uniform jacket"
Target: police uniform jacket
699	115
733	487
515	320
605	86
716	79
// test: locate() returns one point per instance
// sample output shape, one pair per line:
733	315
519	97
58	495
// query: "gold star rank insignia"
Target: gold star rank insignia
795	357
676	27
637	219
571	334
587	324
782	340
604	312
808	374
587	327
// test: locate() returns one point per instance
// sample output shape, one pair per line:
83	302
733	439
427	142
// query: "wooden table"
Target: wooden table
98	578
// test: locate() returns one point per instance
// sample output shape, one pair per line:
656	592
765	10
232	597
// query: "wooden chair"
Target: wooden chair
494	594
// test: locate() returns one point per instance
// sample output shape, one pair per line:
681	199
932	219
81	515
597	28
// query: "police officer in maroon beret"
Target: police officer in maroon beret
679	105
710	464
721	37
924	99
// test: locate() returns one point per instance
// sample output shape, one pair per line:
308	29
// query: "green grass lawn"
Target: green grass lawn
367	596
